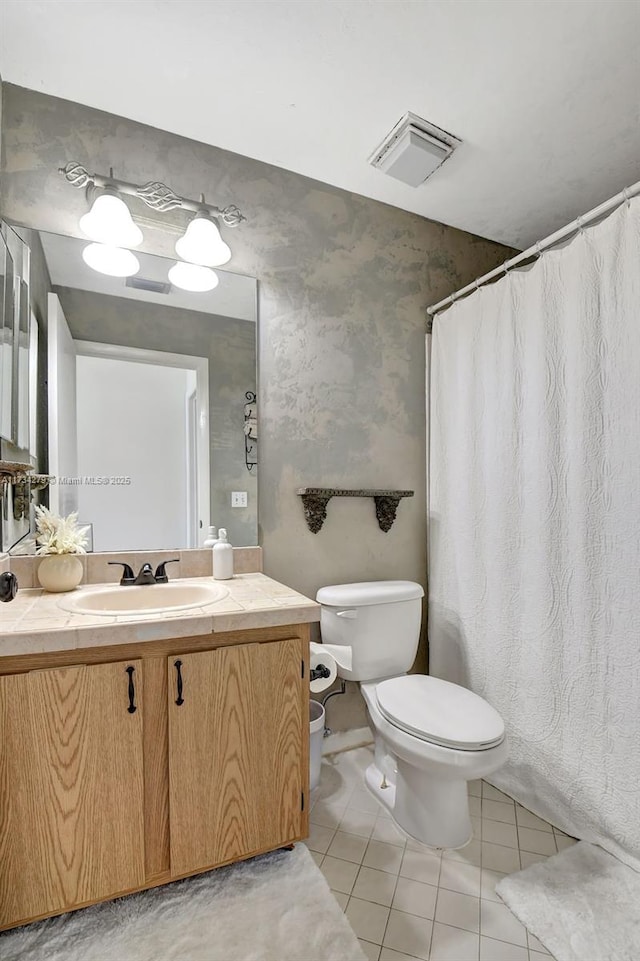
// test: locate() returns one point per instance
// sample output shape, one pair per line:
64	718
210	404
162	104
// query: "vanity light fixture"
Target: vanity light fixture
202	244
193	277
109	222
114	261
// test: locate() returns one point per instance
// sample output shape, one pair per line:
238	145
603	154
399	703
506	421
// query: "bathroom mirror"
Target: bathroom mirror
146	402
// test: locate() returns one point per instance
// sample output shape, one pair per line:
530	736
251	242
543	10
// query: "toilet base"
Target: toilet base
436	813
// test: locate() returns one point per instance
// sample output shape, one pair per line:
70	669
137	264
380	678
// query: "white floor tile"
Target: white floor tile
376	886
341	898
408	934
385	830
497	921
491	792
535	944
367	919
527	858
371	951
384	857
348	847
420	866
361	800
528	820
327	813
386	954
563	841
453	944
475	806
319	838
413	845
497	857
469	854
340	875
498	811
488	884
357	822
391	887
498	832
463	878
414	897
537	842
458	910
491	950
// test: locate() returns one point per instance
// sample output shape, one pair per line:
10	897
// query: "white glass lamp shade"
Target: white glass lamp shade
114	261
202	244
192	277
109	222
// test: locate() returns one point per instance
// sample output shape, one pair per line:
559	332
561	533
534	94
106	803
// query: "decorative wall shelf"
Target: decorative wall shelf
14	468
315	500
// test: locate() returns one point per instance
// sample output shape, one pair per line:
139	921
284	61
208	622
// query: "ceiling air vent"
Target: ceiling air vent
152	286
413	150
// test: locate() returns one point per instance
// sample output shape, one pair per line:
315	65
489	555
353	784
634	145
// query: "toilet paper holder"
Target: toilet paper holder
319	672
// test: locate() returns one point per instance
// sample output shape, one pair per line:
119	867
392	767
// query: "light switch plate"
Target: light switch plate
238	498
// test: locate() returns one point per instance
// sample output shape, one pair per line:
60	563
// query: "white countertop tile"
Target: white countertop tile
34	622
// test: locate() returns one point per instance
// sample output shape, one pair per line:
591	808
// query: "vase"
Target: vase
60	572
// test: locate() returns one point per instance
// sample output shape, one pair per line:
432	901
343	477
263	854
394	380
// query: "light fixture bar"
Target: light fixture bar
154	194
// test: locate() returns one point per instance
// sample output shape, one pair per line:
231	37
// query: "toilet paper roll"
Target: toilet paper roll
322	659
341	653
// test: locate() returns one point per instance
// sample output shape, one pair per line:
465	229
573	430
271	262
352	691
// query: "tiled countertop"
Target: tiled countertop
34	623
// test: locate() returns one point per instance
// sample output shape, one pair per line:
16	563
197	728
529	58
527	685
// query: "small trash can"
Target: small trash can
316	734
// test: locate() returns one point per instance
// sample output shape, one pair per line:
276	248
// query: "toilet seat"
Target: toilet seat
439	712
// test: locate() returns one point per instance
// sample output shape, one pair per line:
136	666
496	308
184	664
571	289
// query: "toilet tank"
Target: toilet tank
379	620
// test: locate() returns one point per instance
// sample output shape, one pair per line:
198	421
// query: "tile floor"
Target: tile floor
406	901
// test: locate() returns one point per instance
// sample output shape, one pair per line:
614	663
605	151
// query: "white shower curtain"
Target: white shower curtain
535	524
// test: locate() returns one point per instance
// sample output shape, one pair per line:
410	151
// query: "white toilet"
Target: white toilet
431	737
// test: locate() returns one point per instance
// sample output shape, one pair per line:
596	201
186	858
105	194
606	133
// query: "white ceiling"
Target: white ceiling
543	93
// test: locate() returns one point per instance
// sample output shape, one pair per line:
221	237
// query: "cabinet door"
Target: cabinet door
237	753
71	788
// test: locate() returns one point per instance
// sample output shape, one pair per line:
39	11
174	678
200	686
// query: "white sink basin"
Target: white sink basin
144	599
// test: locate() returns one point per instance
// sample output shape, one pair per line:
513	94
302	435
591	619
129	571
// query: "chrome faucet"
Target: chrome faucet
145	575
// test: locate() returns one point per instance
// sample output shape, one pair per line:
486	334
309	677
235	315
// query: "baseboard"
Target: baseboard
346	740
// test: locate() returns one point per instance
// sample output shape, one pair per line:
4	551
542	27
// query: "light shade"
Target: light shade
109	222
202	244
193	277
111	260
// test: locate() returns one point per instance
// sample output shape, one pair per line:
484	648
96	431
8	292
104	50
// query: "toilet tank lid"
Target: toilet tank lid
368	593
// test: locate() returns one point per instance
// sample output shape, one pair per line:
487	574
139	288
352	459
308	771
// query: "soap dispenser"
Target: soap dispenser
222	557
212	538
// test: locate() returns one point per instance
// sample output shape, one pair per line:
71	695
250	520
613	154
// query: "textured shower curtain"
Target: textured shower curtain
535	524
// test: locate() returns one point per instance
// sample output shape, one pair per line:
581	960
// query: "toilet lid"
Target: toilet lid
440	712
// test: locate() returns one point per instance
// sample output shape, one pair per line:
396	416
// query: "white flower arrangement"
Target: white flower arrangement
59	535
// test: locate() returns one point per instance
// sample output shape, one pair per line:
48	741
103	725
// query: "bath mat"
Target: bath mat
583	904
273	908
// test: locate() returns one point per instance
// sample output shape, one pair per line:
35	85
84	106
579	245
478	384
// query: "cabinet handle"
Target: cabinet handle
132	691
178	667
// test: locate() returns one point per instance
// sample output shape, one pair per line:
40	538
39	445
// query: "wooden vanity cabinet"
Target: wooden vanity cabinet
71	788
235	743
117	774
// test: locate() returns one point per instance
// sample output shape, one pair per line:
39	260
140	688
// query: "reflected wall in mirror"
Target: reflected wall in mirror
146	402
15	339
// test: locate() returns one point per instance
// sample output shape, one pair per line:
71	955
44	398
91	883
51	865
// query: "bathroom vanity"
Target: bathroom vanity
150	747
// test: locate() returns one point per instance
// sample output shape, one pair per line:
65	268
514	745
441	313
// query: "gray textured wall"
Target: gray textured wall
344	282
229	345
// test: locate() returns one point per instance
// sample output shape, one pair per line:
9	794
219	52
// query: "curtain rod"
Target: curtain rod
537	249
